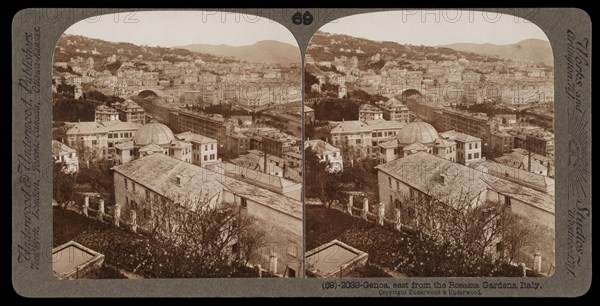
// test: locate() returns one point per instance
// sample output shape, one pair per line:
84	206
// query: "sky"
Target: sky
434	28
179	28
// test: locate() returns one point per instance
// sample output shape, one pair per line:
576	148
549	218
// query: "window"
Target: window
212	156
133	186
470	146
147	194
125	183
244	203
397	185
507	201
476	145
110	135
390	182
469	156
291	273
206	147
212	146
235	248
205	157
391	199
94	142
374	134
126	200
476	155
358	141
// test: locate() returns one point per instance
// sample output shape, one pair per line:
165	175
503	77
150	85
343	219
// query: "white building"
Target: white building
61	153
326	153
204	149
468	148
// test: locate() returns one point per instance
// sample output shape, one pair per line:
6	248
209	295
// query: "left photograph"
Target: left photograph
176	147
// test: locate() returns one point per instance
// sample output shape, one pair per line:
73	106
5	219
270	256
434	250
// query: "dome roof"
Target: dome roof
417	131
153	132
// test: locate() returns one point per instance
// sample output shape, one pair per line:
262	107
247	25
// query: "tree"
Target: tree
62	184
99	178
320	183
196	239
309	80
456	236
516	236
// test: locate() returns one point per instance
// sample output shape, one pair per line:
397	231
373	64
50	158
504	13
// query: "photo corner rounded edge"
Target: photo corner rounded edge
20	14
19	285
584	14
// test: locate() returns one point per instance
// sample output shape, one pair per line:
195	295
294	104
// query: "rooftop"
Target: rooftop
197	138
423	171
382	124
255	162
415	146
90	127
353	126
106	109
59	148
320	147
533	180
462	137
417	131
125	145
159	173
153	132
150	148
369	108
179	144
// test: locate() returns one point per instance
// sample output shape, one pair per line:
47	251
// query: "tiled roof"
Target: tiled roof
59	148
87	128
422	172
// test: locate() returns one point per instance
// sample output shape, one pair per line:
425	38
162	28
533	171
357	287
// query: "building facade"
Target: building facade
326	153
403	183
105	113
145	183
61	153
468	148
368	112
204	149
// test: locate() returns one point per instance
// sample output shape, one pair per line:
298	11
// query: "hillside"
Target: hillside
266	51
536	50
125	51
335	43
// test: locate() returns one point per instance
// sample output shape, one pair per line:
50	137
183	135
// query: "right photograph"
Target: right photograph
429	146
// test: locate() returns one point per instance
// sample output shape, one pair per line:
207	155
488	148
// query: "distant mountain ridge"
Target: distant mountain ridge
265	51
536	50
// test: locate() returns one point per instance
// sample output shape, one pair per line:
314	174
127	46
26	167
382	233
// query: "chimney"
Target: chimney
528	160
178	179
265	163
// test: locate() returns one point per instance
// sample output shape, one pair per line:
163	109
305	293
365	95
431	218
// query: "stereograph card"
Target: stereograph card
301	152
